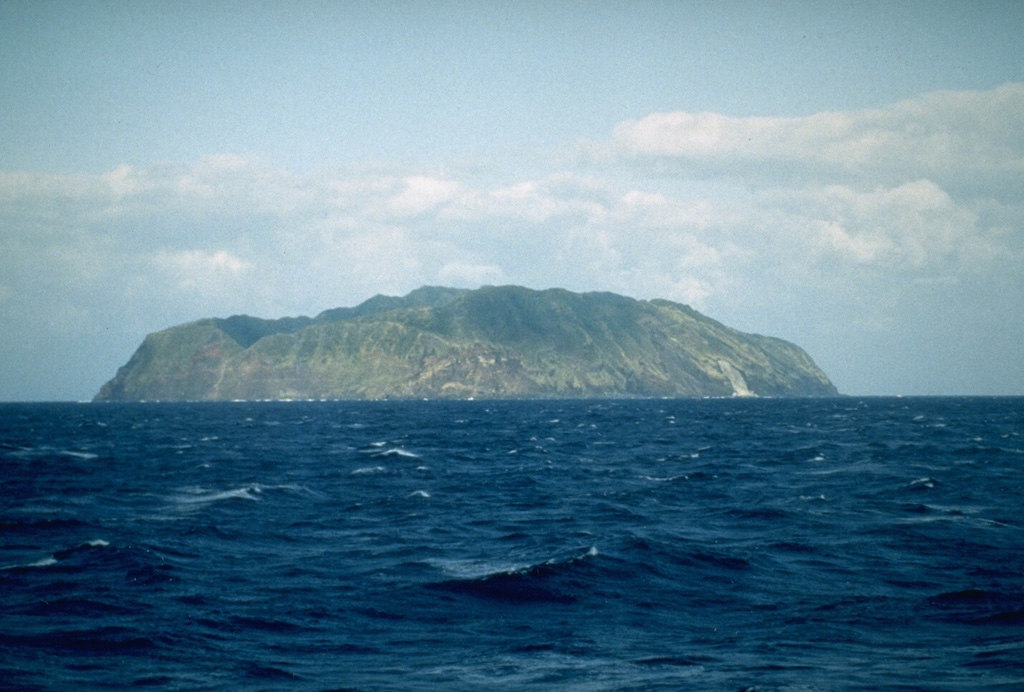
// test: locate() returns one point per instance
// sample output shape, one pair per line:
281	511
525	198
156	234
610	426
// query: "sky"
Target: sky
844	175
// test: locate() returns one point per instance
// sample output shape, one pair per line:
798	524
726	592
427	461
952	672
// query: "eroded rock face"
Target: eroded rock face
493	342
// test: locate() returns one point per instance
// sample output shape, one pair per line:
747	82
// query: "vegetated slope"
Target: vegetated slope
493	342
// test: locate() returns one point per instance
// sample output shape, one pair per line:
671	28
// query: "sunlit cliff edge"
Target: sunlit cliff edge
493	342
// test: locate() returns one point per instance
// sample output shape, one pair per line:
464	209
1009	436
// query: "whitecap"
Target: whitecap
419	493
98	543
476	569
45	562
368	469
397	452
247	493
480	569
84	456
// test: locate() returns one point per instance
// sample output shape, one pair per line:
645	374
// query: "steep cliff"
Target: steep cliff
494	342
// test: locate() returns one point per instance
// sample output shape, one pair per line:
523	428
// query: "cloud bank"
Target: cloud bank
888	242
948	137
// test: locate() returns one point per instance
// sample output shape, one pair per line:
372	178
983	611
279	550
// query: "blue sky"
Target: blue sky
843	175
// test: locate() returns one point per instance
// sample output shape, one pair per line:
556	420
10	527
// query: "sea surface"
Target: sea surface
720	544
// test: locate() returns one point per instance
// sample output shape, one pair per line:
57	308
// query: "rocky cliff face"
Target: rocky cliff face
494	342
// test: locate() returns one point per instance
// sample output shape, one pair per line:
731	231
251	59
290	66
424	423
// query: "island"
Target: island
495	342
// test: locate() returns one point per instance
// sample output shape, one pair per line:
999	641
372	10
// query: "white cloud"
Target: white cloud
123	181
531	201
941	136
914	226
208	272
196	261
649	209
421	194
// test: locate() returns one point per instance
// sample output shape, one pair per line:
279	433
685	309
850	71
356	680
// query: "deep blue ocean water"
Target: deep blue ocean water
833	544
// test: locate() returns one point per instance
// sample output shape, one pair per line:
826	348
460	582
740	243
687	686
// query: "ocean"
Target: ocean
705	544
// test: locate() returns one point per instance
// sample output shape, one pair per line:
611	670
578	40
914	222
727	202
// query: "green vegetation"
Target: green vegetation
494	342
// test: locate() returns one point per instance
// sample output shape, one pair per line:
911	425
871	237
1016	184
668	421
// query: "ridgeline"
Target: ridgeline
493	342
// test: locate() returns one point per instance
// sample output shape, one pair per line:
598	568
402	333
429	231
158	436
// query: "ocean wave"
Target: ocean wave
665	479
89	607
974	606
84	456
268	673
365	470
395	452
254	492
58	557
31	453
676	561
44	562
202	497
553	581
